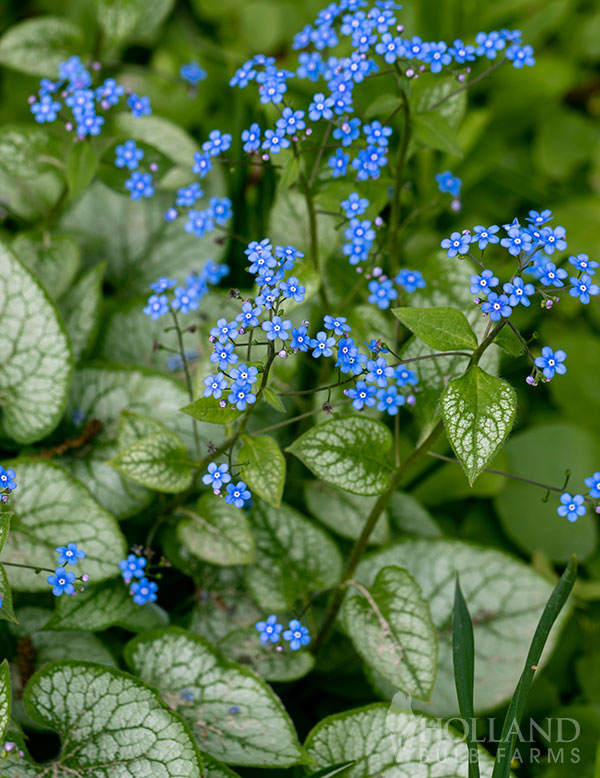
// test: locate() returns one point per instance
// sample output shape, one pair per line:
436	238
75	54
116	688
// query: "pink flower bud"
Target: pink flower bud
359	269
222	403
461	78
153	167
455	206
212	339
31	99
85	578
378	221
410	73
531	380
68	126
411	399
105	105
283	353
308	131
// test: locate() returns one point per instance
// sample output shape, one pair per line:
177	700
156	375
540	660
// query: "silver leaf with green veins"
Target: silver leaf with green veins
4	697
263	467
202	686
36	369
158	461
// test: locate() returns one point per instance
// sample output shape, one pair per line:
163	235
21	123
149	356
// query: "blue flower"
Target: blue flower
224	355
140	185
291	121
457	243
484	235
362	395
45	110
187	195
140	106
158	305
297	635
237	494
550	275
369	162
267	297
215	385
355	205
481	284
519	292
572	506
271	89
289	254
220	208
584	264
553	239
132	567
73	71
7	479
81	101
89	124
199	222
415	48
244	75
593	484
109	92
310	65
225	330
241	395
320	108
216	475
405	377
61	582
243	374
128	155
438	56
322	345
143	591
411	280
339	163
292	289
192	73
378	372
249	315
68	554
583	288
202	164
300	340
382	293
276	328
216	143
337	324
185	300
462	53
348	131
269	630
496	306
391	47
447	182
538	219
275	140
376	347
520	55
517	241
489	44
551	362
251	138
389	399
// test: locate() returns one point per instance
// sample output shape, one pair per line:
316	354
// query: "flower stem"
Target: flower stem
188	377
396	197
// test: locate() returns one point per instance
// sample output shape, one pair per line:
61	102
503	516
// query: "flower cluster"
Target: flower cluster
128	155
271	632
185	298
74	87
382	290
62	580
133	572
573	505
531	245
8	483
218	476
449	183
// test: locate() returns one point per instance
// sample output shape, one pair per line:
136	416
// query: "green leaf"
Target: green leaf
410	517
424	95
134	427
463	657
444	329
242	646
117	18
263	467
508	341
383	105
260	733
82	164
385	741
5	517
516	709
478	410
289	224
159	461
81	308
290	172
349	453
216	532
53	258
52	508
208	409
391	628
494	585
4	698
215	769
118	719
6	609
330	772
103	606
274	400
36	371
170	139
38	46
432	130
344	513
26	152
294	557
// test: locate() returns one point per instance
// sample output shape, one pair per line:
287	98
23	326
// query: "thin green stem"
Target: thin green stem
188	377
399	179
470	83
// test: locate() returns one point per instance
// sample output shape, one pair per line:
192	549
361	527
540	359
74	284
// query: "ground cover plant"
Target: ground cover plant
298	391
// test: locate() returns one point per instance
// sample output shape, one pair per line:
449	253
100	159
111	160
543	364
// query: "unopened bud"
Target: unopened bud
283	354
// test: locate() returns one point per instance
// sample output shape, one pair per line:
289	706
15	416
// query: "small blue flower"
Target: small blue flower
550	275
192	73
291	121
249	315
45	110
61	582
277	328
369	162
362	395
348	131
519	292
489	44
163	284
457	243
300	339
132	567
537	219
292	289
241	395
269	630
337	324
584	264
481	284
128	155
143	591
81	101
496	306
438	56
158	305
391	47
69	554
338	163
89	124
376	347
405	377
551	362
216	475
320	108
484	235
216	143
185	300
140	106
202	164
411	280
593	484
297	635
355	205
378	372
572	506
322	345
389	399
140	185
199	222
7	479
553	239
225	330
244	374
518	240
109	92
224	355
583	288
244	75
520	55
310	65
251	138
215	386
275	140
447	182
462	53
187	195
220	208
237	494
382	293
289	254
